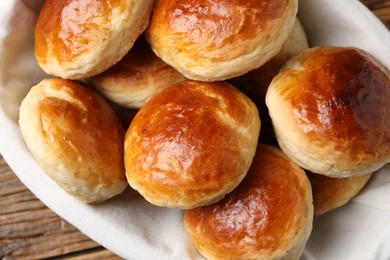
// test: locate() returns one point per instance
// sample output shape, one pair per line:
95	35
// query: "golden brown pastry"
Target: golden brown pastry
136	78
268	216
255	83
217	40
331	193
191	144
79	39
330	107
76	138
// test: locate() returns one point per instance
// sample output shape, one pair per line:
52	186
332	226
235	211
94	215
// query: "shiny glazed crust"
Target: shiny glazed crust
255	83
330	107
191	144
331	193
136	78
79	39
217	40
268	216
76	138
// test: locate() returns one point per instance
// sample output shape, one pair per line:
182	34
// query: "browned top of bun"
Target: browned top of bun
136	66
191	144
255	83
79	39
72	30
228	34
335	103
63	119
330	193
343	94
267	216
241	17
137	77
76	137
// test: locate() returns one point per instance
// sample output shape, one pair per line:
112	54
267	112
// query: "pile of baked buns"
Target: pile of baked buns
219	108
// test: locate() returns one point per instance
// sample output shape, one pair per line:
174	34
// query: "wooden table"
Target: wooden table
29	230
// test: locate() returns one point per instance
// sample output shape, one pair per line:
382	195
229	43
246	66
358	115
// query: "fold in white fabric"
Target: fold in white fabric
134	229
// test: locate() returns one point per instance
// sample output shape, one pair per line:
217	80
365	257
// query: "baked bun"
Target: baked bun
191	144
331	193
255	83
76	138
330	108
218	40
79	39
136	78
268	216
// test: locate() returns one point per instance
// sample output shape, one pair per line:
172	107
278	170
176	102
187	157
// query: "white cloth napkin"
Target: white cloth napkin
134	229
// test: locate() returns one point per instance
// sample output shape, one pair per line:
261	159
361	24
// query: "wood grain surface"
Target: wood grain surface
29	230
380	8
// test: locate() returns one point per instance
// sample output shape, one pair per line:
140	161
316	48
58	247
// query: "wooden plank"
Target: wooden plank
29	230
381	9
92	255
374	4
48	245
384	14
